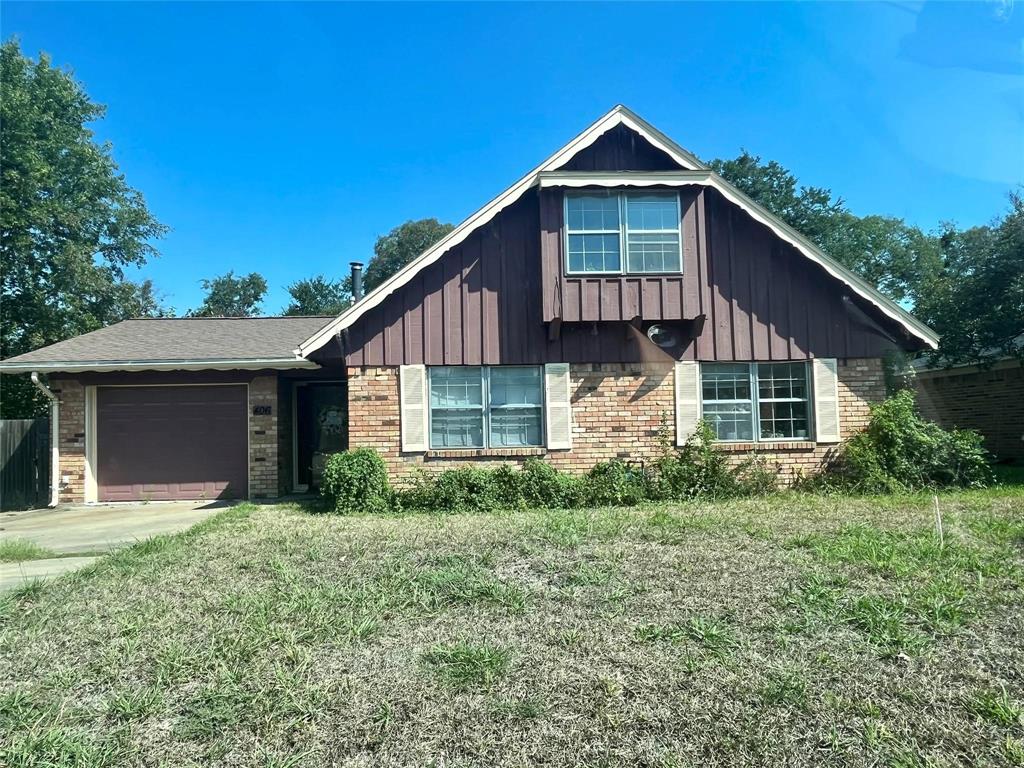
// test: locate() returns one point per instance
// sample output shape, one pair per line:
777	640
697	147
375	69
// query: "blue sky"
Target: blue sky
284	138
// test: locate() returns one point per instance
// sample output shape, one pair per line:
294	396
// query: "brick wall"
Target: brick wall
72	439
263	440
989	401
618	412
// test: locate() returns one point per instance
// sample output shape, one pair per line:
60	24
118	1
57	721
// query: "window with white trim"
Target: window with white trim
756	401
486	406
602	226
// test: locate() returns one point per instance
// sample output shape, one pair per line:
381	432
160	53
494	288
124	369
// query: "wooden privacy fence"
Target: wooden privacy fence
24	463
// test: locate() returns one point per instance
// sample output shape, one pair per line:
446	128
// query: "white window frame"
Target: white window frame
623	231
486	408
756	400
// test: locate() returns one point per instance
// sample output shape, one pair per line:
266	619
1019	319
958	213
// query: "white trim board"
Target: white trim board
547	174
102	366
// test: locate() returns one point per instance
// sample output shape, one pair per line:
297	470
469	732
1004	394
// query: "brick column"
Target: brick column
263	443
71	439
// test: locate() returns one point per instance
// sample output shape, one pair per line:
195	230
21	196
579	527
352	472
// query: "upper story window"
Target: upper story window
642	225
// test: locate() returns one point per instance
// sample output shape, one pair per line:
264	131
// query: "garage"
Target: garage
159	443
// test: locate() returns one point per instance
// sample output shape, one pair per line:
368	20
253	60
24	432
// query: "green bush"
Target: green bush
507	487
615	483
900	451
453	490
698	471
544	486
357	481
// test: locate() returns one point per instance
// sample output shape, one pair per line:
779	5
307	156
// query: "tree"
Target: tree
897	258
400	246
976	303
230	296
69	223
319	296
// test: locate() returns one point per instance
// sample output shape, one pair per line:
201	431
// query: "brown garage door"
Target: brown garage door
159	443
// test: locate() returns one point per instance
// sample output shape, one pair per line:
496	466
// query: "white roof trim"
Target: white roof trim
621	178
99	366
547	174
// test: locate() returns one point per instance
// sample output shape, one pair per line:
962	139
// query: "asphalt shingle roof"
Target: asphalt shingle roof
182	338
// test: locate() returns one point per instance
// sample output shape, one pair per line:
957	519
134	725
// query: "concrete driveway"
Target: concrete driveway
81	534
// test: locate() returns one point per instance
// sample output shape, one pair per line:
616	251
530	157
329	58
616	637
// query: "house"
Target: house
988	399
607	300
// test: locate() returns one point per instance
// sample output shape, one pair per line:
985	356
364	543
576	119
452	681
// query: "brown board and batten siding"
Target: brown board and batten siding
482	302
621	149
595	298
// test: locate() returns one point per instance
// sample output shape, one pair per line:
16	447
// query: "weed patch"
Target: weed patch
465	664
21	550
712	635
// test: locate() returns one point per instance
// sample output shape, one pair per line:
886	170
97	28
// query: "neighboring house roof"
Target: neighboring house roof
177	343
991	358
695	173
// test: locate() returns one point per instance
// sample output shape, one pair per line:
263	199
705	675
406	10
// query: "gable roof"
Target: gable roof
694	170
177	343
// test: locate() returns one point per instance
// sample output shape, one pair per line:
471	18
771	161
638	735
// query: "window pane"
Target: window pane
725	381
594	253
652	210
592	212
653	253
782	380
456	387
461	428
781	420
730	421
515	385
515	427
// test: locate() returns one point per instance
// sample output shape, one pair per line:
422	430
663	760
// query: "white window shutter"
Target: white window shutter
558	405
826	399
412	384
687	399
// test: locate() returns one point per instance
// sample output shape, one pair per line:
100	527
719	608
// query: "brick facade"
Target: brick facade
619	411
989	401
71	394
263	440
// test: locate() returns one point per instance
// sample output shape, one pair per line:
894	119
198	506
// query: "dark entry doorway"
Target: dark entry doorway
321	415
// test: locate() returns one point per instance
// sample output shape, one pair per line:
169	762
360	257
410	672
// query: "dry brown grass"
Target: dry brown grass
791	631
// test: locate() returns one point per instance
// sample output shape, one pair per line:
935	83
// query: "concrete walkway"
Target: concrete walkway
80	534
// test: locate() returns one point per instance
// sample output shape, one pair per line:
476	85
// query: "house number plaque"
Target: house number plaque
261	410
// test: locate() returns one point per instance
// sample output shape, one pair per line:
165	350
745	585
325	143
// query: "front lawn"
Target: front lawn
789	631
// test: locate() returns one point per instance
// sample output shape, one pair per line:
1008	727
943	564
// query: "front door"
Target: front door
322	428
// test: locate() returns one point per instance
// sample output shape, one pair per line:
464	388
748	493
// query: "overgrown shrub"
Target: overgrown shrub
453	490
900	451
616	483
357	481
698	471
545	486
458	490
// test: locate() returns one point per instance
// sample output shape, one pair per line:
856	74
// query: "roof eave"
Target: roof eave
103	366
